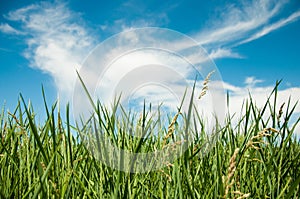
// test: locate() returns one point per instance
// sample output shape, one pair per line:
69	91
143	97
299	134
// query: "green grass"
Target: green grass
258	157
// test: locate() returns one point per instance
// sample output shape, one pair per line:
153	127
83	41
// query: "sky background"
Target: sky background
253	43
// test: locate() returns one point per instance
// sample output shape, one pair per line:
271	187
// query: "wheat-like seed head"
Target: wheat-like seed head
205	85
174	146
232	167
166	175
168	164
171	129
232	163
251	143
257	139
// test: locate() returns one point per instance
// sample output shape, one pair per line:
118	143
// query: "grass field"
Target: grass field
256	157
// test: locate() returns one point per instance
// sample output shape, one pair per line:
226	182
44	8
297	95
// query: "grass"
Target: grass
258	157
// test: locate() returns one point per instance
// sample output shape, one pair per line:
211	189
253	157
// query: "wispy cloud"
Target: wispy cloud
57	41
6	28
237	24
243	23
269	28
136	14
237	21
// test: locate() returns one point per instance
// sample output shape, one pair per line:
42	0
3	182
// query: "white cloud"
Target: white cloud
223	53
252	81
141	60
57	42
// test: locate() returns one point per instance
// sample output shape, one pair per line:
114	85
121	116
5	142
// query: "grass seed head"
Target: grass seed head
241	195
280	114
205	85
171	128
232	167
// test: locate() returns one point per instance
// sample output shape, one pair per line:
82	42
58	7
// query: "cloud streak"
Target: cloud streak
7	29
236	22
238	25
266	30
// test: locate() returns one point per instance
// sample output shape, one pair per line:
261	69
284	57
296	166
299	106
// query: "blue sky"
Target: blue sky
253	43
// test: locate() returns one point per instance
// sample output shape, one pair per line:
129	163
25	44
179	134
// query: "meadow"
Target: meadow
256	157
